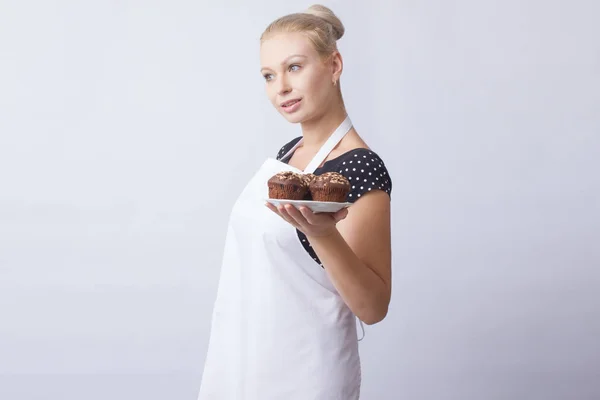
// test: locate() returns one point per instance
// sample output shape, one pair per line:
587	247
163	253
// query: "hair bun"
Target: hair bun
337	28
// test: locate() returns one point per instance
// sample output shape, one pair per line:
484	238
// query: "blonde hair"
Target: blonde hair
318	23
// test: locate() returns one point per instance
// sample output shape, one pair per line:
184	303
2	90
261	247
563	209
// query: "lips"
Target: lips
290	102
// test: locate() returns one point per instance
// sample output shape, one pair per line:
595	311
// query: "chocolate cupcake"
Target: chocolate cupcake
330	186
287	185
308	178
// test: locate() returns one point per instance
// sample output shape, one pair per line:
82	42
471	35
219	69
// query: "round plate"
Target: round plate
315	206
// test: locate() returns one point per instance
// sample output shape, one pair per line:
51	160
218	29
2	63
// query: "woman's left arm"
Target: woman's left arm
357	256
354	246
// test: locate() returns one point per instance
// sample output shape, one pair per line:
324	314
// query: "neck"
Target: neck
316	131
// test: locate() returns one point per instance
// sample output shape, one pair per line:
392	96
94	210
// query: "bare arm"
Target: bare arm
354	246
357	257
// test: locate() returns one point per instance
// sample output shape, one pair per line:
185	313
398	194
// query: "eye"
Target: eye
291	68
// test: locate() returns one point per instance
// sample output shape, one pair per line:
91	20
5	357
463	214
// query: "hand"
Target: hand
306	221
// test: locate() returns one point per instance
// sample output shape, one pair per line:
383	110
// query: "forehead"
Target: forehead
282	45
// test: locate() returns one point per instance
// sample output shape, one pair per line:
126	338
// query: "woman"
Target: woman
293	281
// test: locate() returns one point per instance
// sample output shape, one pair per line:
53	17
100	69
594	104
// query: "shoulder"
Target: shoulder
286	147
365	170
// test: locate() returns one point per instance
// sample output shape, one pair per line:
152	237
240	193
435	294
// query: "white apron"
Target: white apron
280	330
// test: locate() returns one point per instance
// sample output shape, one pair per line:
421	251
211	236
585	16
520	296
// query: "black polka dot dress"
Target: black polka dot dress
363	168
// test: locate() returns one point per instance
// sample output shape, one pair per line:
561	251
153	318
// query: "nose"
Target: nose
283	87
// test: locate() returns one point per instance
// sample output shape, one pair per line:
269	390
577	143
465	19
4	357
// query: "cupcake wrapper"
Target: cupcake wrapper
287	192
330	194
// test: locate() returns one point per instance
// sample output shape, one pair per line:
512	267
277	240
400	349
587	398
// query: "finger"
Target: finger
297	216
340	215
275	209
315	219
281	210
286	216
271	207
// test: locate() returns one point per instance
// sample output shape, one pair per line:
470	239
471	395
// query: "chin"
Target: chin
294	118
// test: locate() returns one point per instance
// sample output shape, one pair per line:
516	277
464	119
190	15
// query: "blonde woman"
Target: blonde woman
292	281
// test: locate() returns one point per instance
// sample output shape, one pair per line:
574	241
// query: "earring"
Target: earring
334	83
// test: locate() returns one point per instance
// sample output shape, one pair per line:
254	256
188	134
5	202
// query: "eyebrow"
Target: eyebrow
286	60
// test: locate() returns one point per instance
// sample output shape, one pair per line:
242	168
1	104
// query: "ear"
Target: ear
337	65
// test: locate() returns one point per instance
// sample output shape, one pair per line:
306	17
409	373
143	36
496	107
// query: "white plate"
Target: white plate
315	206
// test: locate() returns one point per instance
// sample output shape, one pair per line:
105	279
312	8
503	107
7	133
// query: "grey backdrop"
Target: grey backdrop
127	129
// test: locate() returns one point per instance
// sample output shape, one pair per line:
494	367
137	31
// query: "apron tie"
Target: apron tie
362	327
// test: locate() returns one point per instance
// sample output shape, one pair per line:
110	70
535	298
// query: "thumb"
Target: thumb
340	215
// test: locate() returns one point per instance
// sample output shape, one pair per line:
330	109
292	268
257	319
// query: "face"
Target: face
299	83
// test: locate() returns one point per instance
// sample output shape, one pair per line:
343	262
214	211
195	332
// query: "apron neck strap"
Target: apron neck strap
329	145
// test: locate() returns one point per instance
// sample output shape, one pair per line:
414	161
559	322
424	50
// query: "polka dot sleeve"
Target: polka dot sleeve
363	168
287	147
366	172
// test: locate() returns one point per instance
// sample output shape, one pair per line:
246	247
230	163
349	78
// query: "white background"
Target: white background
128	128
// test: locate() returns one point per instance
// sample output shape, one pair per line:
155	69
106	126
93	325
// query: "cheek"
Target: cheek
318	91
271	95
309	84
